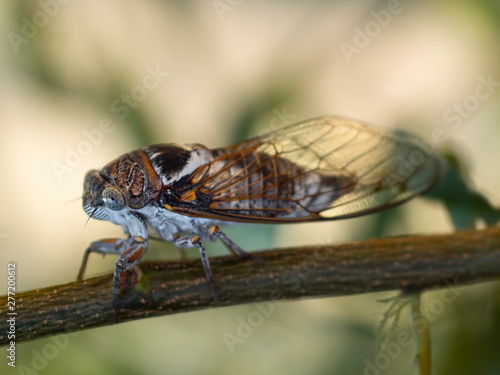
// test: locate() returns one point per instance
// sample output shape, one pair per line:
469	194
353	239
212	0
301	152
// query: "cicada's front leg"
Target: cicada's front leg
125	261
106	246
130	252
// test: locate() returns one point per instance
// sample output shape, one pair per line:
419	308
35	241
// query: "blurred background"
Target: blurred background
86	81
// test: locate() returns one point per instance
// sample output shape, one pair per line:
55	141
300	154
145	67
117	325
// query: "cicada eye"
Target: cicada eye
113	198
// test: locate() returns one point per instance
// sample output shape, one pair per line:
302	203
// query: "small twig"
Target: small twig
411	263
422	334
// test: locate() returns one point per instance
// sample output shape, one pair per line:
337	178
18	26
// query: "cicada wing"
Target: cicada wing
388	168
325	168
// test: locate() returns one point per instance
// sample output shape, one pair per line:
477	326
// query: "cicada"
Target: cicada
327	168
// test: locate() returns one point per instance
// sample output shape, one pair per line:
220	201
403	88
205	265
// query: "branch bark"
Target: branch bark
410	262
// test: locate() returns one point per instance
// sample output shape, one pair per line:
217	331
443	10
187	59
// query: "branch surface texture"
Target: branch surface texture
410	263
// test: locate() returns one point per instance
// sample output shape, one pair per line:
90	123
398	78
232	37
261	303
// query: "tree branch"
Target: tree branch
411	263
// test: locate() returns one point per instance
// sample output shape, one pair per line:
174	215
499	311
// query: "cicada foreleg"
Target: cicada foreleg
106	246
125	261
130	251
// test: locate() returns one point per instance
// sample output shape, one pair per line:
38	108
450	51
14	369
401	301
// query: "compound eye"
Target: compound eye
113	198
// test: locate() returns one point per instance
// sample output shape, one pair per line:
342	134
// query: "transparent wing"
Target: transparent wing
325	168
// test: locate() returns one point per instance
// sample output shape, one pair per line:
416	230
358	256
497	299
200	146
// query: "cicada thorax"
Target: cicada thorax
136	177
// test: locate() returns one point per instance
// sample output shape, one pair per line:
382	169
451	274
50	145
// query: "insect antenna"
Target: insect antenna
73	200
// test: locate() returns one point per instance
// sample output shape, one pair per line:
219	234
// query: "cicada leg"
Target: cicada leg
106	246
231	245
125	261
195	241
130	251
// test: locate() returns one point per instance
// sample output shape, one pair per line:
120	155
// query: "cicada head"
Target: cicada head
101	196
127	183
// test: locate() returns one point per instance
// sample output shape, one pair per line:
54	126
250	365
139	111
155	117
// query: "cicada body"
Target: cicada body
327	168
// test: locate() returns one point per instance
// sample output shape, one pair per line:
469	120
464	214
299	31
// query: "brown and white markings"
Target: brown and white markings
327	168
